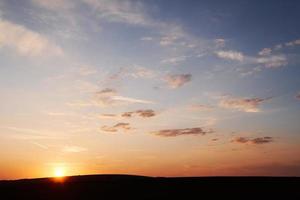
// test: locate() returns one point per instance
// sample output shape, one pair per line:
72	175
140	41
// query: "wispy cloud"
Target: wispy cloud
86	70
82	104
73	149
140	72
242	104
108	116
53	4
125	11
26	42
131	100
55	114
174	60
298	96
293	43
134	72
230	55
117	127
30	134
200	107
167	40
109	96
142	113
258	140
146	113
104	97
147	38
265	52
177	80
274	61
181	132
42	146
220	42
270	57
269	50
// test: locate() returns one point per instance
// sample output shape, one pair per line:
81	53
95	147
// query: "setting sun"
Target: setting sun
59	172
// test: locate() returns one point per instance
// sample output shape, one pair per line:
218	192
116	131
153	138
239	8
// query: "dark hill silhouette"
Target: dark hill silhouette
142	187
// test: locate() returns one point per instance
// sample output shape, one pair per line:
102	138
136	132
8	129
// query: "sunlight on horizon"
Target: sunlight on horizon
59	172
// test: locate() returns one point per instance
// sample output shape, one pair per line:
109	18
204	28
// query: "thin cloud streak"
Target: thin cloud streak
258	140
181	132
231	55
108	96
117	127
26	42
250	105
177	80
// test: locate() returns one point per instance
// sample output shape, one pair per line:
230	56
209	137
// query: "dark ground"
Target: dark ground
140	187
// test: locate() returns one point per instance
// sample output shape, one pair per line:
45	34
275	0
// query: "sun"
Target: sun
59	172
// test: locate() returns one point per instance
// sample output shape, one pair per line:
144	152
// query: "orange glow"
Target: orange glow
59	172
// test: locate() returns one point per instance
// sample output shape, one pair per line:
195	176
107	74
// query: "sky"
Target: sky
156	87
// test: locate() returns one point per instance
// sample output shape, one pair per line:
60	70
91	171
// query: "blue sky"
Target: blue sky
81	77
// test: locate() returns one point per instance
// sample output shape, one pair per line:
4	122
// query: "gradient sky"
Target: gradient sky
156	87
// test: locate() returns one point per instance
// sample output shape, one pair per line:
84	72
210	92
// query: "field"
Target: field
141	187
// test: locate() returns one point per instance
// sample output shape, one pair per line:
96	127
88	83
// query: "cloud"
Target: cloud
145	113
30	134
124	11
265	52
273	61
82	104
174	60
298	96
147	38
258	140
109	96
134	72
55	114
200	107
268	51
136	13
177	80
26	42
104	97
108	116
73	149
117	127
53	4
293	43
42	146
261	140
249	72
174	35
127	114
230	55
142	113
179	132
86	70
83	86
141	72
220	42
242	104
168	40
131	100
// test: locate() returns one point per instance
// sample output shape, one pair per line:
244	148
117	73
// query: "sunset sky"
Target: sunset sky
156	87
